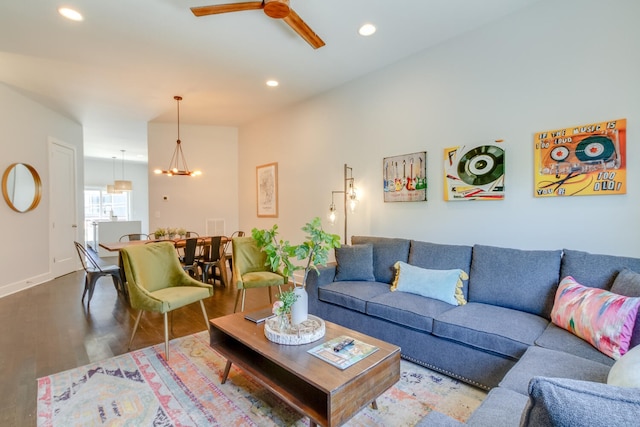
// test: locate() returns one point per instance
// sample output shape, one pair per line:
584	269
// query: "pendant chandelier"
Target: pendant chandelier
178	164
122	184
111	188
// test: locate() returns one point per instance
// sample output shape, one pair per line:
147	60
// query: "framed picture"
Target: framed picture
405	178
586	160
474	173
267	190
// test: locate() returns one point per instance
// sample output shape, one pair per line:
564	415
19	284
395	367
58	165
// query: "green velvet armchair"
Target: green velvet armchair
250	269
157	283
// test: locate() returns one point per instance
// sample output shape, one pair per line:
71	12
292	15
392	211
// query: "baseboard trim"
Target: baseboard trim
21	285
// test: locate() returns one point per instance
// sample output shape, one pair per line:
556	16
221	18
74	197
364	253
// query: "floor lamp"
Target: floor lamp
350	198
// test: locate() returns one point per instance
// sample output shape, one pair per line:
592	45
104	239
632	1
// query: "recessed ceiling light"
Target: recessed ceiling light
74	15
272	83
367	30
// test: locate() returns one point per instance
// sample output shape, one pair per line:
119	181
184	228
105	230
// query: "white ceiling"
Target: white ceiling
120	67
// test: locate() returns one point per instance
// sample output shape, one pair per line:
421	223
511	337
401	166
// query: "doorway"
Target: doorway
63	208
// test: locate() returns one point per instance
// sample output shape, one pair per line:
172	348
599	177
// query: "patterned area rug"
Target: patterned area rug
141	389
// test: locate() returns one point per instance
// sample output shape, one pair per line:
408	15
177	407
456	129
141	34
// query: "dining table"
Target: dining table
178	243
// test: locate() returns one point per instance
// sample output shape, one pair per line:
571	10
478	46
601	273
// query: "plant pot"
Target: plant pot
300	308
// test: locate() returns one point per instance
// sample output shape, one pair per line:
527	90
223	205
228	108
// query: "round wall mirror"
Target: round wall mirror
21	187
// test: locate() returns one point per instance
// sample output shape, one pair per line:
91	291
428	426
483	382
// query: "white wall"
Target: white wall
99	173
193	200
556	64
25	127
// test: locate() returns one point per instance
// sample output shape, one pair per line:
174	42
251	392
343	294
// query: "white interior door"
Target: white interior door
64	225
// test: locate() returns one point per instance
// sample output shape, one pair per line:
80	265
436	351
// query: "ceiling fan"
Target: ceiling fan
277	9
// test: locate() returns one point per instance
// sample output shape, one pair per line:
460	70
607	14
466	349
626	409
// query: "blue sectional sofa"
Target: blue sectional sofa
499	340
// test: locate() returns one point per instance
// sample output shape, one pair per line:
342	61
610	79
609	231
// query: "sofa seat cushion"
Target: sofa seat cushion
538	361
351	295
501	407
406	309
566	402
386	252
556	338
496	329
514	278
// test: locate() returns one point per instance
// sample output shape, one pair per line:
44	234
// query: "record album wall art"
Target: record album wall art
405	178
474	173
583	160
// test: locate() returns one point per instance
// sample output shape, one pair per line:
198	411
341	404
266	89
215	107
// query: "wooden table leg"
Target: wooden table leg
374	405
226	372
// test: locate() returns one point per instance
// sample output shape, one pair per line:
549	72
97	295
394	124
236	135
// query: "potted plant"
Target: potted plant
315	250
159	233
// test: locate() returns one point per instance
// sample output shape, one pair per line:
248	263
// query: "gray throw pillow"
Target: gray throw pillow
627	283
565	402
354	263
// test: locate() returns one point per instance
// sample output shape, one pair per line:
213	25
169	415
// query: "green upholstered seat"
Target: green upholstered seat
157	282
250	269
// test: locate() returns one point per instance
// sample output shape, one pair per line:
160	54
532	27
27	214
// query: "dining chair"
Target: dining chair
211	260
190	234
94	271
251	270
157	283
188	260
133	236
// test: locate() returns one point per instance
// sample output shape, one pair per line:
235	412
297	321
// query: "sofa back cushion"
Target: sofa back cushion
386	252
514	278
354	263
597	271
435	256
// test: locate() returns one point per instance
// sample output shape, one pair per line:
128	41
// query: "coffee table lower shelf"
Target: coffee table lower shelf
327	395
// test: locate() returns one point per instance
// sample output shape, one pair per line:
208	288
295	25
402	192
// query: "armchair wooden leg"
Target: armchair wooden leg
166	337
135	328
204	312
244	291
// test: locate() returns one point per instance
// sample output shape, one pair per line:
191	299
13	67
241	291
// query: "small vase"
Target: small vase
300	308
283	322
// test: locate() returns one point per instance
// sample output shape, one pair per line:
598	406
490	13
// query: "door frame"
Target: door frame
55	271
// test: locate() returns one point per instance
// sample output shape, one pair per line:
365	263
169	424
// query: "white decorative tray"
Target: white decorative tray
308	331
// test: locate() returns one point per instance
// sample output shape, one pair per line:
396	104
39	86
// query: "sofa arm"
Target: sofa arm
324	276
315	281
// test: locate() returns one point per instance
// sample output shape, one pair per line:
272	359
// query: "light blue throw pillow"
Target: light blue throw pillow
443	285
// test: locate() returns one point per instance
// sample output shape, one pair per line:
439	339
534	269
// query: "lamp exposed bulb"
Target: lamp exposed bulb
332	214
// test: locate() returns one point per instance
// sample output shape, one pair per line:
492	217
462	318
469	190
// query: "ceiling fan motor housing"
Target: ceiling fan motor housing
277	9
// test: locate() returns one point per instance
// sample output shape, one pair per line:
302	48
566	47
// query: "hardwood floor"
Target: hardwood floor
46	329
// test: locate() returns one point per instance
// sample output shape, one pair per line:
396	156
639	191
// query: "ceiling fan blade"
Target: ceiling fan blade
300	27
224	8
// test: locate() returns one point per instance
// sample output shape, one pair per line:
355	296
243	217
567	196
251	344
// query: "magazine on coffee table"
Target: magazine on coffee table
343	351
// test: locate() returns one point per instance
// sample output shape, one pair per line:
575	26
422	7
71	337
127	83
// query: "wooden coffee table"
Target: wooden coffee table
327	395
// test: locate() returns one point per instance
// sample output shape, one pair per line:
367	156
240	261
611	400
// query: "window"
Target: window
101	206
